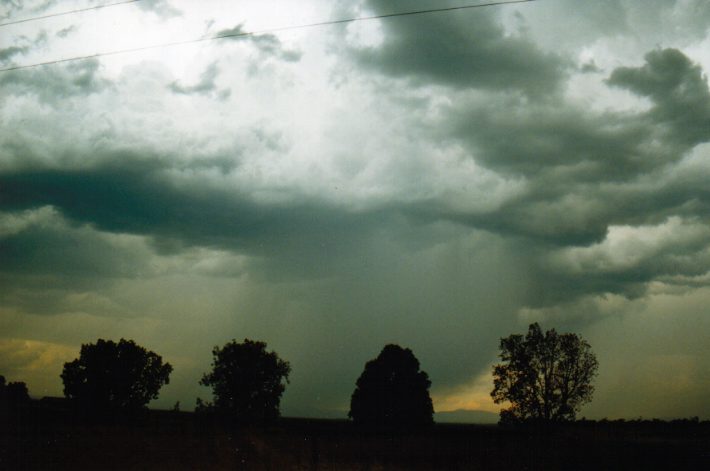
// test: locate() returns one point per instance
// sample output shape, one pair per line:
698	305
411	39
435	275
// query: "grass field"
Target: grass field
184	441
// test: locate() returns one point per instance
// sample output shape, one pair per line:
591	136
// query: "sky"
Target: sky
438	181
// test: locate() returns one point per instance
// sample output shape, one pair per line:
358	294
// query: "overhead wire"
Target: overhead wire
70	12
263	31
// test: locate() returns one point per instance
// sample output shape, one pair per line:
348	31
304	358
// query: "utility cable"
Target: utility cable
264	31
63	13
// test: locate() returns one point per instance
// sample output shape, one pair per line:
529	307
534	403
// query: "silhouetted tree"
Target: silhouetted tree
114	376
543	376
247	381
392	391
12	395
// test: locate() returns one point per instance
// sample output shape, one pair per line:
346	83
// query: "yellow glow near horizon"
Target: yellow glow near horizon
473	396
28	361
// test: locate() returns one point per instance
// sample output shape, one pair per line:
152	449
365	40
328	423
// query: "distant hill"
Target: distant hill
466	416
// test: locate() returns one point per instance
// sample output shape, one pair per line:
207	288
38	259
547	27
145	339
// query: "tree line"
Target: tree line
542	376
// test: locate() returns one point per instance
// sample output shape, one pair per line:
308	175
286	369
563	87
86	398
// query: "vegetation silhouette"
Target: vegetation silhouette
247	382
545	377
114	377
392	392
12	396
42	434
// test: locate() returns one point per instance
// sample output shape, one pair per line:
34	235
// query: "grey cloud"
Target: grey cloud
466	49
23	45
315	268
11	7
678	89
47	248
206	84
587	22
666	20
625	24
50	266
586	173
590	68
8	52
64	32
573	224
268	45
535	140
162	8
235	33
131	194
209	227
52	83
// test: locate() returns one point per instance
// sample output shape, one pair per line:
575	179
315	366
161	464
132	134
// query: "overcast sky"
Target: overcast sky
437	181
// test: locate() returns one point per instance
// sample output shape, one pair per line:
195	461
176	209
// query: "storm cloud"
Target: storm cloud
436	180
466	50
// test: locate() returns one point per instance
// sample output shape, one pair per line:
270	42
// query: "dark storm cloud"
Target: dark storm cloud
521	139
469	49
318	269
44	249
52	83
46	260
558	139
562	286
679	92
584	171
132	194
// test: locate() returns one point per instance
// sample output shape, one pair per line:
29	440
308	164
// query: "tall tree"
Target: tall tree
543	376
247	381
392	391
113	376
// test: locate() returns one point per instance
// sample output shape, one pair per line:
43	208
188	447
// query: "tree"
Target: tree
247	381
543	376
114	376
12	395
392	391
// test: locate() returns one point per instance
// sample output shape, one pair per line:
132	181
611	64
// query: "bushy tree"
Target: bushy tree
247	381
12	395
114	376
392	391
543	376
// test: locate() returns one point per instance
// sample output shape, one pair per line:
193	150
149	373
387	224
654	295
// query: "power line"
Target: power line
263	31
80	10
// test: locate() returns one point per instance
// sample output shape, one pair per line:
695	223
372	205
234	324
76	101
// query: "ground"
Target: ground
183	441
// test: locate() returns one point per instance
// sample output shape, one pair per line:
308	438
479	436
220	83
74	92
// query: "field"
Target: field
183	441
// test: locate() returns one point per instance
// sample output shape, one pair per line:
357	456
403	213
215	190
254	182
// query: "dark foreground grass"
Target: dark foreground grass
183	441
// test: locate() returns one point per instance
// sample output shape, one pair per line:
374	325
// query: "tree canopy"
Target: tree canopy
12	395
392	391
543	376
110	376
247	381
